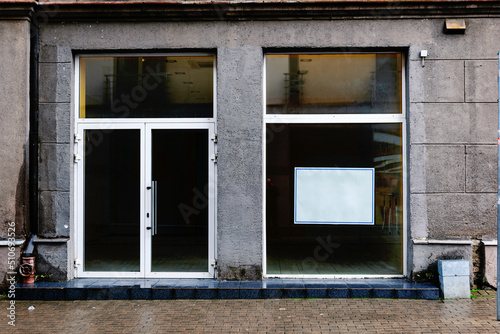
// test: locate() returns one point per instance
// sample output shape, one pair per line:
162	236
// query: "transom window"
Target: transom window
146	87
333	84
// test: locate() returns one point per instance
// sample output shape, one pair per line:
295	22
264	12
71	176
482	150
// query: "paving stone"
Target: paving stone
476	315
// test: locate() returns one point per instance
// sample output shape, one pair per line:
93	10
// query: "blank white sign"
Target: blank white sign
334	195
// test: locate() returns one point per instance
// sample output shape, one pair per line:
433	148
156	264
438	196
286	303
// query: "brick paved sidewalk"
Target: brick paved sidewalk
477	315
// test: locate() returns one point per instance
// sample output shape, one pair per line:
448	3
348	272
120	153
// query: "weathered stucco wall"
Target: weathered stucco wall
14	129
451	109
55	162
453	153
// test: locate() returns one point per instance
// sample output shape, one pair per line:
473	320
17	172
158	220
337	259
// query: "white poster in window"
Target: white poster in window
334	195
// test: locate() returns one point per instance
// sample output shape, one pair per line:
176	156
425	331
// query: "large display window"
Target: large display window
335	165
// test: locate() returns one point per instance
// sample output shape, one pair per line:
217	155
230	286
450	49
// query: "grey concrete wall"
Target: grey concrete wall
55	162
426	257
14	129
453	153
53	260
239	214
451	120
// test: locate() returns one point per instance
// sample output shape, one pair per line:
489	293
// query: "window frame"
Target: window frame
79	123
278	119
79	119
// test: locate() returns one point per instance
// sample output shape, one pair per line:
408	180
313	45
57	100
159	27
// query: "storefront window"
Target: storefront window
333	84
146	87
334	187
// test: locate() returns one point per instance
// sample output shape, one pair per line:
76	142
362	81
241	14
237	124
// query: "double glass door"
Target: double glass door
145	199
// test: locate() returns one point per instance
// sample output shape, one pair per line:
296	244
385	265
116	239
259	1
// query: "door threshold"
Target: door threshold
155	289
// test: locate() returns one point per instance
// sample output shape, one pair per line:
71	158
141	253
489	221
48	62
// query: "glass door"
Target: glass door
145	202
109	207
180	192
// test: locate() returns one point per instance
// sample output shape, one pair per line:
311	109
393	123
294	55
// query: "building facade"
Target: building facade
243	140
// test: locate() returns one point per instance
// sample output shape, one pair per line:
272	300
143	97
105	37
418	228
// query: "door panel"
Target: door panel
179	167
112	184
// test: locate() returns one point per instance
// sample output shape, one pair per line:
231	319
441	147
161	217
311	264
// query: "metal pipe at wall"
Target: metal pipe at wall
33	130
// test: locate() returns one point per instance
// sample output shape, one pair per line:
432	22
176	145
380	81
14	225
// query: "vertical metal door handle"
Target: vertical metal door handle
154	193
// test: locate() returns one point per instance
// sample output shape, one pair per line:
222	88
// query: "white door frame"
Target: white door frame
145	126
211	200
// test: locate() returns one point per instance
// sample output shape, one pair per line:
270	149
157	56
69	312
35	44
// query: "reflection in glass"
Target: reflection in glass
112	200
333	84
325	248
146	87
180	169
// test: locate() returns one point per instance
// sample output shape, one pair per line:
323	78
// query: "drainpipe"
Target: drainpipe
33	129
